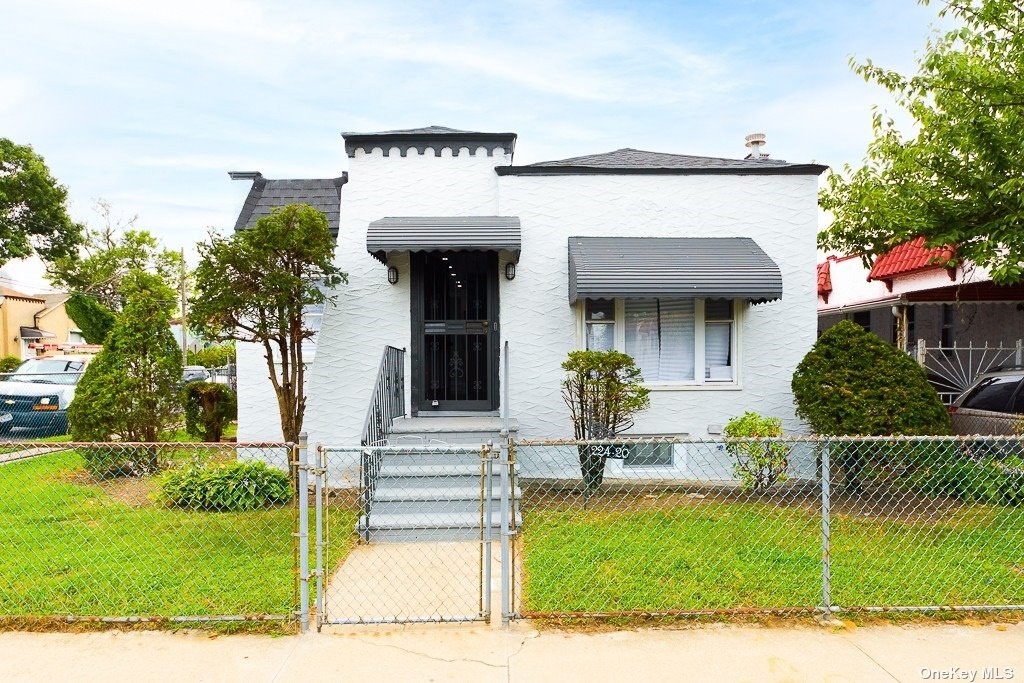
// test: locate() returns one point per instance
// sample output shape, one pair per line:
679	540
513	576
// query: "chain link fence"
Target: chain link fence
674	527
127	532
407	533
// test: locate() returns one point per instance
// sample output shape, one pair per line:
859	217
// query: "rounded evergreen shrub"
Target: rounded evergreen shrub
225	487
9	364
852	382
209	408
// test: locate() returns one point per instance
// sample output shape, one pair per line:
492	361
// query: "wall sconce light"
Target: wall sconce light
510	271
393	275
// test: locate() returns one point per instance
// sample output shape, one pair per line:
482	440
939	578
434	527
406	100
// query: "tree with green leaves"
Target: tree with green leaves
254	287
604	391
130	389
33	208
93	318
959	180
107	256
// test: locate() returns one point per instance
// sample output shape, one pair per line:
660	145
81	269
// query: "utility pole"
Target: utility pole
184	314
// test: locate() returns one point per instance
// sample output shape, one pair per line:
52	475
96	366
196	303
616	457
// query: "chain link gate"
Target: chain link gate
404	534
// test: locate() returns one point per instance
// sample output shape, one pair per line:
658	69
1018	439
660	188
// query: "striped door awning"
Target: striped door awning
444	233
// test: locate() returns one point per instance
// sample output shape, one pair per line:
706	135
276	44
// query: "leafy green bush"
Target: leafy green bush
213	356
603	390
93	318
209	407
853	383
757	464
989	481
225	487
130	390
9	363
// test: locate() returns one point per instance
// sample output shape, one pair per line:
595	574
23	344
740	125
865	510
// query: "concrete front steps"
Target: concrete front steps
434	496
453	430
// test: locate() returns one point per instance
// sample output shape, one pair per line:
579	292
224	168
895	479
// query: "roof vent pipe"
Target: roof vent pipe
755	143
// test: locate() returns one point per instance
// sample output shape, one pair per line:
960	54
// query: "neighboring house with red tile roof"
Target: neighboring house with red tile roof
915	292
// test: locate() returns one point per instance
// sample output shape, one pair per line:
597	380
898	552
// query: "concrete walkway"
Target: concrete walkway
479	653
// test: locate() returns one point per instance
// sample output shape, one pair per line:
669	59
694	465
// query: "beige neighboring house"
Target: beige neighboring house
35	324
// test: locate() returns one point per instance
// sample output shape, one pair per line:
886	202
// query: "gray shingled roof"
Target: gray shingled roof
628	160
638	158
651	267
266	194
425	130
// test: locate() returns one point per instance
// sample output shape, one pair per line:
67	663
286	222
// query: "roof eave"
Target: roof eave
792	169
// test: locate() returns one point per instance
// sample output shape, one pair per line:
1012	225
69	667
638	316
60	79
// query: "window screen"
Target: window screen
993	393
660	337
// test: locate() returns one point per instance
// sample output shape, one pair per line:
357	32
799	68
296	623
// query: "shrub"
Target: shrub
9	364
209	407
213	356
130	390
604	390
225	487
853	383
989	481
757	464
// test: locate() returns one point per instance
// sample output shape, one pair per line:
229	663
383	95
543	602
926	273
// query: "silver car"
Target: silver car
994	404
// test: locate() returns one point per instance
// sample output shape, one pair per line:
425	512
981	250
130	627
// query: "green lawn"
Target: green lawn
731	554
72	548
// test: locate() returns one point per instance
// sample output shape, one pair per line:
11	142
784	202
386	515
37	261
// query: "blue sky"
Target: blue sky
147	105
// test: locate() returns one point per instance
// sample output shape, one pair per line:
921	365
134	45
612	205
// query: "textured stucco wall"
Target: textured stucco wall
369	312
779	212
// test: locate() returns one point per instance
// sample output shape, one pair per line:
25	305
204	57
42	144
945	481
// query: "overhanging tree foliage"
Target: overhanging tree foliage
960	179
107	256
93	318
33	211
254	287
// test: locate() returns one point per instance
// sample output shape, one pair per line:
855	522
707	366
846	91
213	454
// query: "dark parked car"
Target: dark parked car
994	404
35	397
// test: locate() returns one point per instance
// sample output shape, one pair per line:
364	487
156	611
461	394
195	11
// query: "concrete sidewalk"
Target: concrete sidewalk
480	653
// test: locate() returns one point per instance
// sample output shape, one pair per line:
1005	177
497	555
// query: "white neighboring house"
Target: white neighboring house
701	268
946	311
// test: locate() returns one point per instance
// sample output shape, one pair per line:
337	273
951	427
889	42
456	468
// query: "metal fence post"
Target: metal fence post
826	533
303	472
487	522
506	555
318	488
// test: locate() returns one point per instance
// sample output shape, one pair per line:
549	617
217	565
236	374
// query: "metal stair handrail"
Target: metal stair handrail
387	403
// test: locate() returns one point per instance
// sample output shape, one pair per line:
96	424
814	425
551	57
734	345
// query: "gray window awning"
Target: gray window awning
35	333
701	267
444	233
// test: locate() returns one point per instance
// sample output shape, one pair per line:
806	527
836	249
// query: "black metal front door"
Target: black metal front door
455	330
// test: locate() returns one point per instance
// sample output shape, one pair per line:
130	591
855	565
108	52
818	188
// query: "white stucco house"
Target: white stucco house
701	268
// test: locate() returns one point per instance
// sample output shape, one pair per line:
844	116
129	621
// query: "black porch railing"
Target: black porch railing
387	403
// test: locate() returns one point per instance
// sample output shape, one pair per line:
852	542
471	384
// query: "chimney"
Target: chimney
755	142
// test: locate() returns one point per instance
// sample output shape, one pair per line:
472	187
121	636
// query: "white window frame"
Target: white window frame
699	383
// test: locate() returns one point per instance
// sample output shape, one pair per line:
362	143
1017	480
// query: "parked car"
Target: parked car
35	397
993	404
195	373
